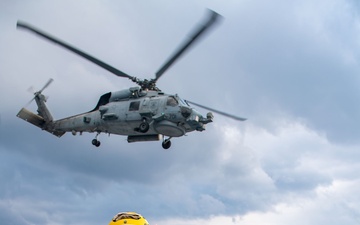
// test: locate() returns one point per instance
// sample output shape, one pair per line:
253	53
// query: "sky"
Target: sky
290	67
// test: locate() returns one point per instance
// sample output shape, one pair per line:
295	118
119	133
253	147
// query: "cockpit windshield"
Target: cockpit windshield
183	102
171	101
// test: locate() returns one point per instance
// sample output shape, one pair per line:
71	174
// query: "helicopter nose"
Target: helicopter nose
195	117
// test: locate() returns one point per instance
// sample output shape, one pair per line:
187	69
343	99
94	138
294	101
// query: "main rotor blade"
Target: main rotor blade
212	17
217	111
73	49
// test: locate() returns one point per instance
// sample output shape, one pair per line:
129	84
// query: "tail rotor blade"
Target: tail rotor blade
218	111
47	84
27	104
31	89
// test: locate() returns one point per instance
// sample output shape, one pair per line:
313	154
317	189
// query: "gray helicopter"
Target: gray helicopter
142	113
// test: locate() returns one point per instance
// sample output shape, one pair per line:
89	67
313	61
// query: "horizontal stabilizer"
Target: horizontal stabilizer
31	117
36	120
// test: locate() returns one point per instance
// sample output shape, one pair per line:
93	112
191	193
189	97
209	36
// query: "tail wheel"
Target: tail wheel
95	142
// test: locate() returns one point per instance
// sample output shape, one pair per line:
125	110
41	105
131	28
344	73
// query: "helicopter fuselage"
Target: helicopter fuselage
123	112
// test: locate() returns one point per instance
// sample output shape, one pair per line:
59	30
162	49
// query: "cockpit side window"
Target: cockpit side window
134	106
171	101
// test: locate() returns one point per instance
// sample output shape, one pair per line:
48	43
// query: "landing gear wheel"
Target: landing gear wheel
96	142
166	144
144	127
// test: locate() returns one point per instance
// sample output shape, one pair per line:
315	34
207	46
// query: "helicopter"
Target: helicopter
142	113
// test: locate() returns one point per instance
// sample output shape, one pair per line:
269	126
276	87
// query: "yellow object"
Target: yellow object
128	218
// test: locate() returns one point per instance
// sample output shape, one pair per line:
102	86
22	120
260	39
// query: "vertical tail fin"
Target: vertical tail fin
43	110
40	99
43	119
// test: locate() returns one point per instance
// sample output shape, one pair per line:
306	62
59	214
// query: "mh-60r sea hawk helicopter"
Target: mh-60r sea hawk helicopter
142	113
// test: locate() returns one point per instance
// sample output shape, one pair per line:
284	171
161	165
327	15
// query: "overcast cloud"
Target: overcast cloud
290	67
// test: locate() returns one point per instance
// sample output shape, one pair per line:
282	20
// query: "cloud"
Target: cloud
332	204
289	67
294	184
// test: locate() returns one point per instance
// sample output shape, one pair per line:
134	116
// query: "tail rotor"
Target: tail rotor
38	93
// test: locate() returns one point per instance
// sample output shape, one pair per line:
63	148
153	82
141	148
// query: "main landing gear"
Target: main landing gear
95	141
166	143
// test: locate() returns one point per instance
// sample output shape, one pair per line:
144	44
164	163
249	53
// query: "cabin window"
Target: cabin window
134	106
171	101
